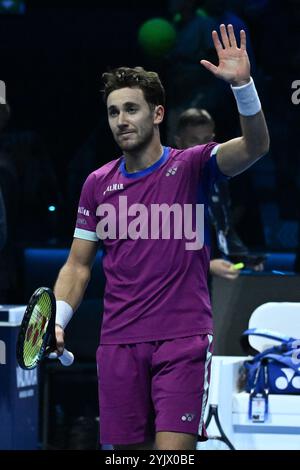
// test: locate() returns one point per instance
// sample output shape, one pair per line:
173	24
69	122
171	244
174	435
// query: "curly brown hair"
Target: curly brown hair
137	77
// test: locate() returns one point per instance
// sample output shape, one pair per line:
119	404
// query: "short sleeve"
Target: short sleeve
205	164
87	220
211	168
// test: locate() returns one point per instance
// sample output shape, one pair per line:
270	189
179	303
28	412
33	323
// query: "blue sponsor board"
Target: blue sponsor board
18	396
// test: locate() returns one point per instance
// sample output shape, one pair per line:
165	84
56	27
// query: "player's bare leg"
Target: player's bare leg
175	441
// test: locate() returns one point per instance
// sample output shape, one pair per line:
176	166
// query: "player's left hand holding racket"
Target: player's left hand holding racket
37	338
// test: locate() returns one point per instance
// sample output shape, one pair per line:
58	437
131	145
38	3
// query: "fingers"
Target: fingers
243	40
232	274
229	271
231	35
227	264
209	66
223	268
60	341
216	41
224	36
228	38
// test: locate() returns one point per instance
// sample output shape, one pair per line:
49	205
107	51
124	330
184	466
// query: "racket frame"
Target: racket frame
48	341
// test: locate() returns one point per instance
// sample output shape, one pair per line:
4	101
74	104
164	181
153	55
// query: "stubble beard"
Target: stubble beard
139	145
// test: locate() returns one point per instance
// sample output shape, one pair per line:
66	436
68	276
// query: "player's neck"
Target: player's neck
143	158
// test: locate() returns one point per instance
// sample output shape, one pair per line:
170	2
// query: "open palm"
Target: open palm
234	65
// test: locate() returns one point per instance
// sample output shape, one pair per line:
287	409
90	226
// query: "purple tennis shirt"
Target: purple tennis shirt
156	272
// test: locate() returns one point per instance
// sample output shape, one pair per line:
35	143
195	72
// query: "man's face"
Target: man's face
130	118
195	135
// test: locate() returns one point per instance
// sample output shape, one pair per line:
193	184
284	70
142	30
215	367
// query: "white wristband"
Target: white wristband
247	99
64	313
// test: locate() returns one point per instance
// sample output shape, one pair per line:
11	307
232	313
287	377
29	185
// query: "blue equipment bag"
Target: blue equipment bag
275	370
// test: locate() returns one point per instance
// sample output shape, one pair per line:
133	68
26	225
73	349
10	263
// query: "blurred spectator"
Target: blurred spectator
220	11
189	84
29	187
96	150
248	9
8	185
279	58
195	127
36	192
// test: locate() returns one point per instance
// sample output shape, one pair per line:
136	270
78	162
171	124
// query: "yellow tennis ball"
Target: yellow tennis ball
238	266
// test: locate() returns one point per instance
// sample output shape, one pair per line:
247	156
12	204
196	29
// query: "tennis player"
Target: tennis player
146	207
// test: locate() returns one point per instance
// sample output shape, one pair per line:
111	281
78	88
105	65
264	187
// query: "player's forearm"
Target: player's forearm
71	284
255	136
238	154
242	152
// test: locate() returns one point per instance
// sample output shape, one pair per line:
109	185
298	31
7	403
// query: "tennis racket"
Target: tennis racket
36	339
217	438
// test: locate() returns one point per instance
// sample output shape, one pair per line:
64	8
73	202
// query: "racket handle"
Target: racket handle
67	358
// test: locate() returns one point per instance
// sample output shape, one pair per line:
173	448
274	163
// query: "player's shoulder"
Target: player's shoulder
192	152
178	154
103	171
107	168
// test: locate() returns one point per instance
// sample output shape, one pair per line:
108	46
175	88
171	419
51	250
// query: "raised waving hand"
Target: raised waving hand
234	65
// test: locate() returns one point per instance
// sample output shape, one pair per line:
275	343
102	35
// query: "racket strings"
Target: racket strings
37	327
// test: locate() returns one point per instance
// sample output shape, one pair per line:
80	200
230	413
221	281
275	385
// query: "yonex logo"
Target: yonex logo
282	382
81	221
188	417
171	171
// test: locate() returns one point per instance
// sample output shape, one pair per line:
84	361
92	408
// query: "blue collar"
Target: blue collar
148	170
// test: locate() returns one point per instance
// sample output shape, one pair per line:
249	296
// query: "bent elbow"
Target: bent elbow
260	150
266	147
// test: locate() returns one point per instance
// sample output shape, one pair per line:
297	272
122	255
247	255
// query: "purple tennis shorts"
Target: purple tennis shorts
156	386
